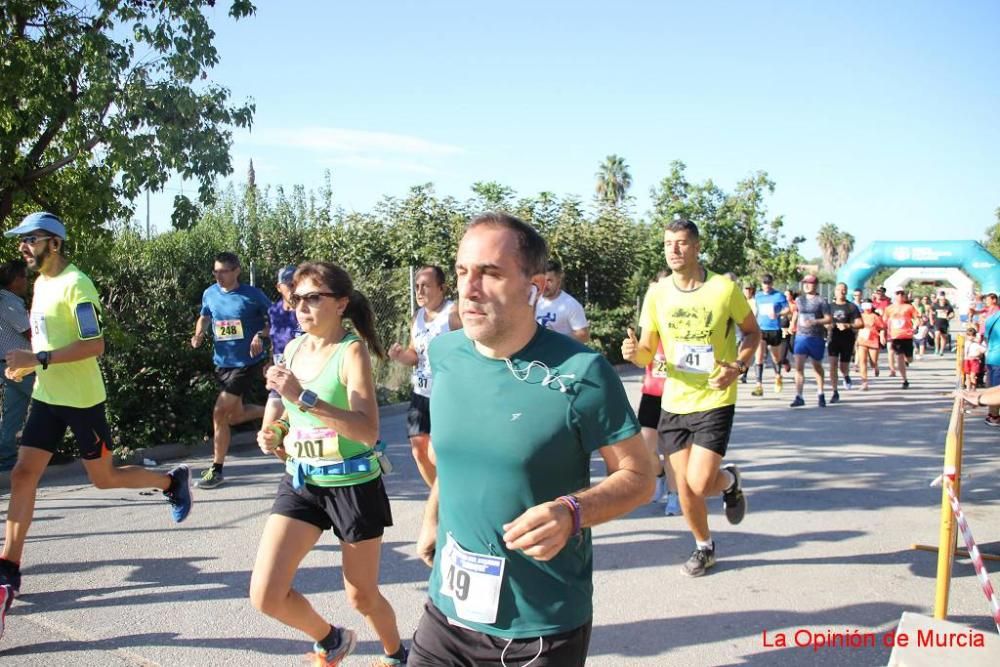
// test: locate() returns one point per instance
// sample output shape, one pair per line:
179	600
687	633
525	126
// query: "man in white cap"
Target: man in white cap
66	340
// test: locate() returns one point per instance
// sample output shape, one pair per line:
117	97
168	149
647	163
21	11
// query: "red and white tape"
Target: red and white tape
970	544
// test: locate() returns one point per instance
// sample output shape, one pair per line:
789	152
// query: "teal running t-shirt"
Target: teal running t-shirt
506	439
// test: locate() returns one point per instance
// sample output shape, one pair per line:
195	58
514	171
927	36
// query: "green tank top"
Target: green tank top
315	444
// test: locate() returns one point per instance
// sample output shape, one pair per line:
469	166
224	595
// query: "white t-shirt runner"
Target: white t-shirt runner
423	333
563	314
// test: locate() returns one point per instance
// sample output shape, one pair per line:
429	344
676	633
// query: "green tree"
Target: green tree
992	242
827	237
845	246
100	101
492	196
736	233
613	180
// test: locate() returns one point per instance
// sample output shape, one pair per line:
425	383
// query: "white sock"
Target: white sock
705	545
729	476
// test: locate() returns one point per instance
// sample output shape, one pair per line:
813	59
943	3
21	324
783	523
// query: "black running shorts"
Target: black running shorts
46	426
710	429
356	513
841	346
437	642
418	416
240	381
903	346
649	411
773	338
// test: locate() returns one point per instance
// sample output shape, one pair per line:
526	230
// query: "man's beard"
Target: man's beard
39	260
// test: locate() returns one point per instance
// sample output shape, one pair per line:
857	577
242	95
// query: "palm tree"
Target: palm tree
613	180
827	238
845	246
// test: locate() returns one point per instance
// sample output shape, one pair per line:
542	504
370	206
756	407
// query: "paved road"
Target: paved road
836	498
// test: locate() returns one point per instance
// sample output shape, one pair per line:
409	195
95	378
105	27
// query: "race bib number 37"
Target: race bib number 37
228	330
472	581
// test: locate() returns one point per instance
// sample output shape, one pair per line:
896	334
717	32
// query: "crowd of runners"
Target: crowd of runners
508	407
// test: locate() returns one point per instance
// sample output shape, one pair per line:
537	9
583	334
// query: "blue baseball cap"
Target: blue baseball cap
41	221
285	275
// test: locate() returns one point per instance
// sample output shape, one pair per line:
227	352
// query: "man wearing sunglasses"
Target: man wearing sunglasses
238	317
66	340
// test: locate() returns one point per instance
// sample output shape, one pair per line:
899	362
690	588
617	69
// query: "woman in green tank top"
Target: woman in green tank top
333	479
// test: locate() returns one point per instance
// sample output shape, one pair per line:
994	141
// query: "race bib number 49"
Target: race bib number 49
472	581
318	444
694	358
228	330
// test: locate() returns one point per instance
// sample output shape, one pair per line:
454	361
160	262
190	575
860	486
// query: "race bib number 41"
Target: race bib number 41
228	330
319	444
694	358
472	581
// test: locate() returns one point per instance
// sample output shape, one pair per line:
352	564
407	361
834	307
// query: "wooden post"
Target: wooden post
947	535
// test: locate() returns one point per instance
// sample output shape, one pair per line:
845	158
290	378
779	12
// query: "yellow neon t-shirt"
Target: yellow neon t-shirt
54	325
697	330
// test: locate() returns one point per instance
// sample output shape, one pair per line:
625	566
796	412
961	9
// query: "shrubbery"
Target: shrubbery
161	390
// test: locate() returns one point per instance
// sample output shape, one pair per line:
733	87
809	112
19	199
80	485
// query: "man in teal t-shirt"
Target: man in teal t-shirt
517	412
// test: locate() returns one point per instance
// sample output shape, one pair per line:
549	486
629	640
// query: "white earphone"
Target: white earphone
532	294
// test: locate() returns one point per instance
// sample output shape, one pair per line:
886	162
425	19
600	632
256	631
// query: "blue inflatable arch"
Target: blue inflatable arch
969	256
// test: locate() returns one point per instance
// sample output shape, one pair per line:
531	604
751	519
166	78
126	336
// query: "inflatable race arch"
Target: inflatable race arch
931	256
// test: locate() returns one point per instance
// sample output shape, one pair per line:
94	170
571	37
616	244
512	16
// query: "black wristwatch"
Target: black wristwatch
741	367
43	358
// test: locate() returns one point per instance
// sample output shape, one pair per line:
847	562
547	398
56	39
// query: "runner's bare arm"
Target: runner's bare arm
75	351
751	339
543	530
987	397
582	335
200	325
427	540
404	355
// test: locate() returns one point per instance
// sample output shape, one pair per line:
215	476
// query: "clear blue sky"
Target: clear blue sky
880	117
